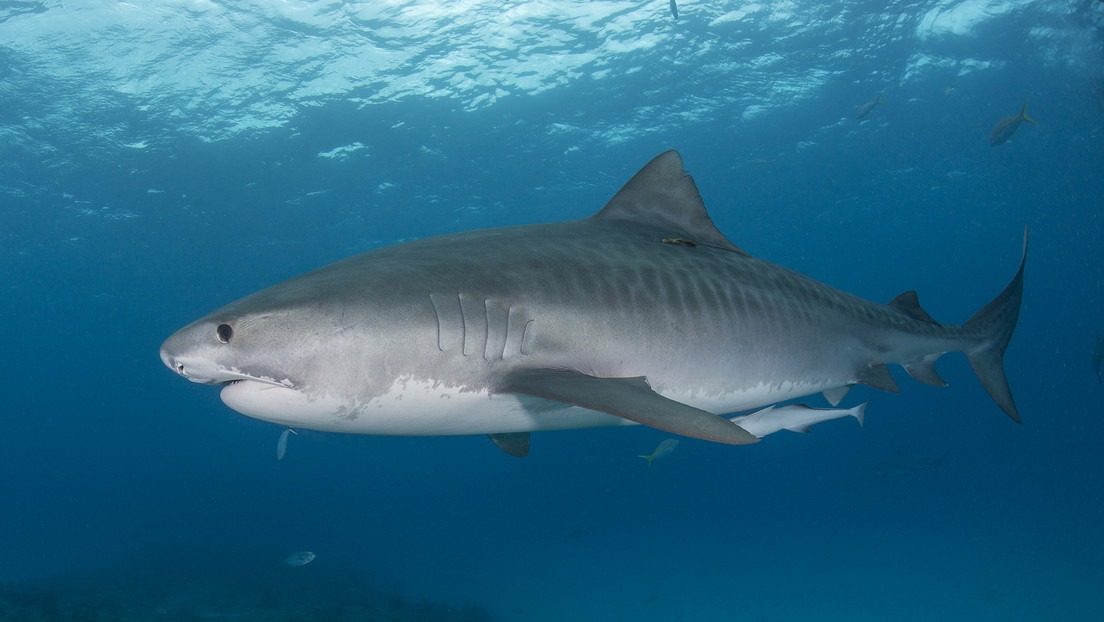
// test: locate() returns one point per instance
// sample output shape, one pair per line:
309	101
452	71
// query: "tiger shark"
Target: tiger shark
641	313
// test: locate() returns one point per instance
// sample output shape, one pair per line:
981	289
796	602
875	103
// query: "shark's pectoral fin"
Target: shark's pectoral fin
514	443
628	398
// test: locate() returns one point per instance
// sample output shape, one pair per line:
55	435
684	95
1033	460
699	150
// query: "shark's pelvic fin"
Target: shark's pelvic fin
627	398
514	443
995	323
664	196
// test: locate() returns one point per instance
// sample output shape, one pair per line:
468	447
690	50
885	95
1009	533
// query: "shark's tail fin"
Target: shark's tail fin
648	458
994	325
1023	115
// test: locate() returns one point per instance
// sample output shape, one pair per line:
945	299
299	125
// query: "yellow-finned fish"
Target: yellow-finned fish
1006	127
868	106
664	448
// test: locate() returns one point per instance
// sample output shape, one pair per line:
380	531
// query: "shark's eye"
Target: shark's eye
224	333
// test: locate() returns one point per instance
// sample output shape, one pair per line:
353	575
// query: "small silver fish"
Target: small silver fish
281	445
664	448
299	558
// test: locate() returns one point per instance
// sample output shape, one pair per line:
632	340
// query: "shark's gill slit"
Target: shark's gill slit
524	336
463	325
506	336
487	333
437	314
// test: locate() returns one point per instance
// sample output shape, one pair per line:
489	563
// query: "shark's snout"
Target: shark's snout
179	367
170	362
194	368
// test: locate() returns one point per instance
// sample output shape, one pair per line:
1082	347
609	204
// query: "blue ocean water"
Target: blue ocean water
158	160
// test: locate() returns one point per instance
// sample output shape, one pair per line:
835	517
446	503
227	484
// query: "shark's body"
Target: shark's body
641	313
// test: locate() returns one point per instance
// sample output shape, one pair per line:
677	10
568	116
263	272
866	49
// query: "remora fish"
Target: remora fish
793	417
643	312
665	447
1006	127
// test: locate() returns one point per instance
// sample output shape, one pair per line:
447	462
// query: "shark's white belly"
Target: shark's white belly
411	408
421	408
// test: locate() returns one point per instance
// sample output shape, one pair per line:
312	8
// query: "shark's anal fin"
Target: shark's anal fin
923	369
514	443
878	376
628	398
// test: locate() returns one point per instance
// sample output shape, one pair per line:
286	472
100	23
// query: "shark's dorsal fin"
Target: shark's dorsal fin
664	196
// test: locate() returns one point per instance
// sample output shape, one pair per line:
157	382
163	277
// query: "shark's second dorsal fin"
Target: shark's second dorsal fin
664	196
909	304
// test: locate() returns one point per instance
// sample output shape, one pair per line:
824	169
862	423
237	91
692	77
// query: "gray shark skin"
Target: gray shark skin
642	313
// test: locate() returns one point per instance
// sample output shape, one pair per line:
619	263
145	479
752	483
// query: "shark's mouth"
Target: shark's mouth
202	371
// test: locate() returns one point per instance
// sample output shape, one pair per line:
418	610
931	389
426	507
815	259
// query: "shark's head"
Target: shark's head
216	350
281	356
245	354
